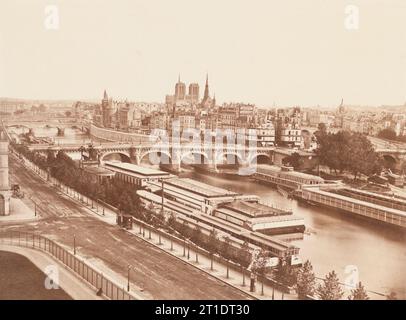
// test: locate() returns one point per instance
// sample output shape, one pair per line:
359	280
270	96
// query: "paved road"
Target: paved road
157	274
386	144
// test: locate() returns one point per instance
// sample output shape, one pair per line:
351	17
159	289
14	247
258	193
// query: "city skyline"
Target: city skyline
291	54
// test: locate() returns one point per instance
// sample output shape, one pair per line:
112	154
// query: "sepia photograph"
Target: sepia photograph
190	150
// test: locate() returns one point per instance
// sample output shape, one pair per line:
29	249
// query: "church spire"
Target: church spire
105	97
206	88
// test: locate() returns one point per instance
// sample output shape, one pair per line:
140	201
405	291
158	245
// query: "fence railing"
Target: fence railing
92	277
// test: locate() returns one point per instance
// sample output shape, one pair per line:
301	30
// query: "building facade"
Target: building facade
5	192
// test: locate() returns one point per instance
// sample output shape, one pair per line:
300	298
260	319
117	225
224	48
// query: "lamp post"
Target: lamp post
74	244
162	200
128	278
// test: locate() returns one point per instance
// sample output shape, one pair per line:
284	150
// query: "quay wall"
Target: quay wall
118	136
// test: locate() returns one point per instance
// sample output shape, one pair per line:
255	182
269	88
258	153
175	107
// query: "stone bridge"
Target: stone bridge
31	126
167	154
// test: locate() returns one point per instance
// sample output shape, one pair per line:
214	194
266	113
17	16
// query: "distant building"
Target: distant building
129	117
288	128
227	117
266	135
291	136
186	121
169	100
159	121
246	111
340	114
109	111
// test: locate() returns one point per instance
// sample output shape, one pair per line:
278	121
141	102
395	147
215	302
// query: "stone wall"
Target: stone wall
118	136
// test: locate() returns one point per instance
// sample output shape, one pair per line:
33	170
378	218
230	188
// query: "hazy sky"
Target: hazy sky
262	51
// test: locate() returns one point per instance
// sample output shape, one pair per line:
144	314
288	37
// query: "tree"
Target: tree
185	229
172	220
285	273
388	134
348	151
392	296
362	156
330	289
197	235
294	160
333	149
245	254
212	242
50	158
259	262
306	280
321	127
359	293
225	247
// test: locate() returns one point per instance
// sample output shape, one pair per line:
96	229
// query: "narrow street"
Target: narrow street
156	274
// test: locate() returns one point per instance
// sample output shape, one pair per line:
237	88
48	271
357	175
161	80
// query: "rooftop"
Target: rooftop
98	171
132	168
359	202
254	209
199	187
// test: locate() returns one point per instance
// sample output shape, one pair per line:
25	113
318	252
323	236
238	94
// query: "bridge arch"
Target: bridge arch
221	158
389	161
260	158
158	152
116	155
193	152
